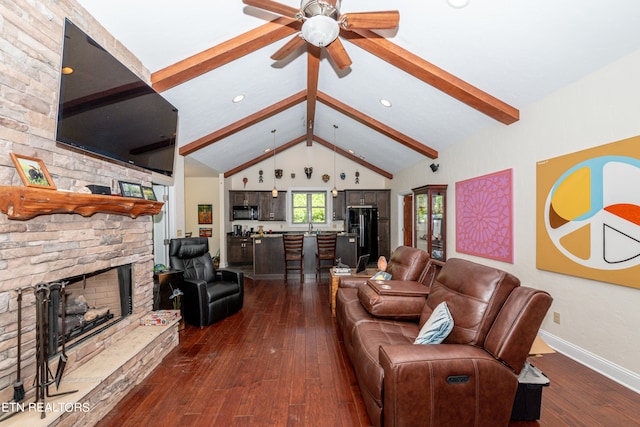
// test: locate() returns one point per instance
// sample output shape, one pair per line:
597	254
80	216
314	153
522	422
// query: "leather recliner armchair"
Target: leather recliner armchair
209	295
468	380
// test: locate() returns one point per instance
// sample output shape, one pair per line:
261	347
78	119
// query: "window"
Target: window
309	206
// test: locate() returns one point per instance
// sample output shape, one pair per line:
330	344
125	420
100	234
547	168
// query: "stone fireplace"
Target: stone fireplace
106	363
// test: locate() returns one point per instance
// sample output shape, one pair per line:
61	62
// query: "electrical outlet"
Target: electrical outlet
556	317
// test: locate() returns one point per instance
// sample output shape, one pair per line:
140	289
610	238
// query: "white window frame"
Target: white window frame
327	206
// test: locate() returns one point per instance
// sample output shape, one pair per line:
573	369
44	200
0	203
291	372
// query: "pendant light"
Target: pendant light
334	192
274	192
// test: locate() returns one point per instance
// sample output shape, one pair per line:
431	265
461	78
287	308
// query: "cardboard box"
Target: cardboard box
526	405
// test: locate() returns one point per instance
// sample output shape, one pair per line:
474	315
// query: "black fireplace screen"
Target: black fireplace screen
92	302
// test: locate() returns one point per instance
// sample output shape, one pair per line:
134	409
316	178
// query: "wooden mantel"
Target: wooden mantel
24	203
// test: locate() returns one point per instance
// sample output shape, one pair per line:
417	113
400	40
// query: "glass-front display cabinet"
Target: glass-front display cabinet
430	215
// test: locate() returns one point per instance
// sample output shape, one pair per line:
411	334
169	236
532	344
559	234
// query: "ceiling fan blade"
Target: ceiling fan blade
288	48
372	20
273	6
338	54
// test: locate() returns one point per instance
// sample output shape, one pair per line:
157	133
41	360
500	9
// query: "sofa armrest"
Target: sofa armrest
194	301
422	381
231	276
402	301
357	279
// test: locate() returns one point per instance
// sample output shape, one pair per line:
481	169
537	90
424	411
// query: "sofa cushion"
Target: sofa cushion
437	328
474	294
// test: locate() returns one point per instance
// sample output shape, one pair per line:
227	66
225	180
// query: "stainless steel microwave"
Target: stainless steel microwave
245	212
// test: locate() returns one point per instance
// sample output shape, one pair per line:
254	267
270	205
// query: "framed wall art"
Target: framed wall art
588	213
484	216
129	189
148	193
32	171
205	214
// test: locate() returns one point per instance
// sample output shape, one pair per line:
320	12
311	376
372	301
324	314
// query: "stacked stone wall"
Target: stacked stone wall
48	248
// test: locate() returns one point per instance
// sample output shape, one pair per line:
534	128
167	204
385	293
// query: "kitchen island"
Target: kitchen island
268	254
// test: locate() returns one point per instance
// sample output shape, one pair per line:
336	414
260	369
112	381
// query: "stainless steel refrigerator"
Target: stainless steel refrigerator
363	222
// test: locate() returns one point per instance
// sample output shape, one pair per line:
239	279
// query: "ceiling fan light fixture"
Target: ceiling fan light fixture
320	30
458	4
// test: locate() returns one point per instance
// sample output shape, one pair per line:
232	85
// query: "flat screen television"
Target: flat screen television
106	109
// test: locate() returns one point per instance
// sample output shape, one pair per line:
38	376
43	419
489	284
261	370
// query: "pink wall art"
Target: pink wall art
484	216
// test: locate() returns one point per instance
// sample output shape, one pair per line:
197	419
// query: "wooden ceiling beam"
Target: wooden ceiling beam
350	156
244	123
223	53
377	126
265	156
432	75
313	70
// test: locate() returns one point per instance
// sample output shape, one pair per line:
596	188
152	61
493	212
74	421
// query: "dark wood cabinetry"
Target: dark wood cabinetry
272	208
339	206
383	203
243	198
269	254
362	197
239	250
430	212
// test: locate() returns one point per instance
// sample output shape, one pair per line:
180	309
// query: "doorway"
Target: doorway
407	220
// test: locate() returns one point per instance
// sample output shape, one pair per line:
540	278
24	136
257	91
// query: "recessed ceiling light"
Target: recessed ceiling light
237	98
351	151
266	150
458	4
385	102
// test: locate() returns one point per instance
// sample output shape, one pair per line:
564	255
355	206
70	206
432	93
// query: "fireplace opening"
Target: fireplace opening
94	302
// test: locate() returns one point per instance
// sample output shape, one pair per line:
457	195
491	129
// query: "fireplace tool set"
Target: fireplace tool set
45	294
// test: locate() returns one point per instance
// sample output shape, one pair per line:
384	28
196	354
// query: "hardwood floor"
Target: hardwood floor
279	362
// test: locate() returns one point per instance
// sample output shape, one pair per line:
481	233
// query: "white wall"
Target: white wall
295	159
599	321
203	191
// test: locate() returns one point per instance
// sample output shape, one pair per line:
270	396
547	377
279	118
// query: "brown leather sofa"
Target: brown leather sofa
468	380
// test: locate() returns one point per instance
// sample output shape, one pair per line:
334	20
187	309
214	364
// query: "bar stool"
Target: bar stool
293	254
326	251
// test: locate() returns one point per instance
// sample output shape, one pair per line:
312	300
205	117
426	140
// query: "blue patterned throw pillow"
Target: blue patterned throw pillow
437	328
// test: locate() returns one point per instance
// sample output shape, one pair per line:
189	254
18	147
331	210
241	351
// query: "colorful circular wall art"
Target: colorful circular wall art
592	213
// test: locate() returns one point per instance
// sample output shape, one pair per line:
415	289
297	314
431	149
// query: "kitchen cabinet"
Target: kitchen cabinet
339	206
272	208
239	250
243	198
361	197
430	212
384	238
269	254
383	203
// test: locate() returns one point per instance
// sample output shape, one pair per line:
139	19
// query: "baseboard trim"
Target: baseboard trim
609	369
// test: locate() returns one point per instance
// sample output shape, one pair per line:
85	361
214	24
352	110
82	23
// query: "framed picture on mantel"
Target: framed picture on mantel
32	171
129	189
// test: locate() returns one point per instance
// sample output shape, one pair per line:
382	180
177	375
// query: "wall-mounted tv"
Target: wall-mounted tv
106	109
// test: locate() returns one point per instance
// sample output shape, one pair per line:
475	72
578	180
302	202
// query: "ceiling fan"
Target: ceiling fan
322	23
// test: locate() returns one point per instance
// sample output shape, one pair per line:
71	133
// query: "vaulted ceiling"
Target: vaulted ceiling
448	72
